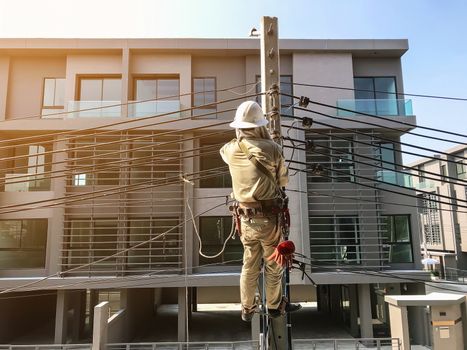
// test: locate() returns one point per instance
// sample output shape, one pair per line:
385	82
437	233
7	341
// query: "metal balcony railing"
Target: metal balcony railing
380	107
152	108
298	344
113	109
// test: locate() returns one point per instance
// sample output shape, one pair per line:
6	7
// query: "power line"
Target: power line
381	118
111	164
378	91
357	155
134	120
404	167
110	256
229	89
108	191
311	120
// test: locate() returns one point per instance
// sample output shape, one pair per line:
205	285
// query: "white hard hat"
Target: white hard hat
249	115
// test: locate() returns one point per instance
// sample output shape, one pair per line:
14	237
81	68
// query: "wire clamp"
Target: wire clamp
307	122
304	101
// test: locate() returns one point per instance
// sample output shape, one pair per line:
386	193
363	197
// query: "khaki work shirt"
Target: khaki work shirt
249	184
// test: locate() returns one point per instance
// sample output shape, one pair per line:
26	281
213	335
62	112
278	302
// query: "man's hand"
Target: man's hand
283	254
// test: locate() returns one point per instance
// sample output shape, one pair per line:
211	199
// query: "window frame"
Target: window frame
20	248
394	243
55	87
81	77
210	106
169	76
373	77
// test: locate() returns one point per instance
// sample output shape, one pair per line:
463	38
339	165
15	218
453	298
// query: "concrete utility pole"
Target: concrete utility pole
280	337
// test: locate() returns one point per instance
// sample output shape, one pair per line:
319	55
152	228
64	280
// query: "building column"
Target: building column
61	319
99	330
399	325
182	314
126	82
364	308
4	73
353	296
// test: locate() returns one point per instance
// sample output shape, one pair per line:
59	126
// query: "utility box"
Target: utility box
447	326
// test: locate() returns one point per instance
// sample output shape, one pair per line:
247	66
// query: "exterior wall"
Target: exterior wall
26	78
240	66
379	67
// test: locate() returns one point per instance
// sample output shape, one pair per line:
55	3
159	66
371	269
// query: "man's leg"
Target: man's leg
252	254
270	239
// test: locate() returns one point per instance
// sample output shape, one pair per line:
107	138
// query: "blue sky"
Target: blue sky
437	32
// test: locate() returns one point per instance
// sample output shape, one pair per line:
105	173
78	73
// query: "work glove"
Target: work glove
284	254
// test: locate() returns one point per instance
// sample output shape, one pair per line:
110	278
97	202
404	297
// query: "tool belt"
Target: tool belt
260	209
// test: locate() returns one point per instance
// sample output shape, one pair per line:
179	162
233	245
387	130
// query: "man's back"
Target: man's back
248	182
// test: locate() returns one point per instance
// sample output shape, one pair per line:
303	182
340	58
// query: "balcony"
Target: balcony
94	109
429	185
151	108
394	177
113	109
383	107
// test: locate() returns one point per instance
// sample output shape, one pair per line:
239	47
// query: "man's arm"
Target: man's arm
282	172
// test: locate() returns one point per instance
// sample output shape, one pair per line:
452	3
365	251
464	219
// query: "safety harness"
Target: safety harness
278	206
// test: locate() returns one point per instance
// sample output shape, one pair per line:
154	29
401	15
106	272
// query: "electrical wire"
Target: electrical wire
134	120
109	191
381	138
378	91
112	164
404	167
129	103
381	118
120	252
371	165
200	249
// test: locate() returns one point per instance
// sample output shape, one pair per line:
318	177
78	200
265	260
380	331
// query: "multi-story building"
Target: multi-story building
441	182
107	145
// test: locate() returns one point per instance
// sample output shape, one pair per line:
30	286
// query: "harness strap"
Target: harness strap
257	163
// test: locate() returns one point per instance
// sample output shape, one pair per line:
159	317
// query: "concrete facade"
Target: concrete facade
444	226
118	148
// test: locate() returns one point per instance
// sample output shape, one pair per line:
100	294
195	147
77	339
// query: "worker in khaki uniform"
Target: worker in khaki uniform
258	198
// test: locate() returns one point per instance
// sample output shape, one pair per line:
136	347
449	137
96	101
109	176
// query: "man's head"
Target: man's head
249	115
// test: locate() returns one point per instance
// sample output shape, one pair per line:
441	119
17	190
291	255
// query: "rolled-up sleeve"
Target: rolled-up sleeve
282	172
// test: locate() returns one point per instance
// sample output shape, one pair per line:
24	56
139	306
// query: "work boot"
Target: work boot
273	313
247	314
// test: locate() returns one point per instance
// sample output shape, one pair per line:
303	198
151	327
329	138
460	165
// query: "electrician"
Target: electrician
258	174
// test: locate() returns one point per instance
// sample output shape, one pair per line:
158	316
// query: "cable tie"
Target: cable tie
186	180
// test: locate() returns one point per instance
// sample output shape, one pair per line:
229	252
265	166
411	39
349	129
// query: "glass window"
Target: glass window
157	89
215	172
214	231
29	170
336	158
443	173
204	95
398	238
387	158
54	93
460	169
23	243
100	89
335	240
376	95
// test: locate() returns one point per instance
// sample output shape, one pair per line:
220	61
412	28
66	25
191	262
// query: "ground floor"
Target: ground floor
199	314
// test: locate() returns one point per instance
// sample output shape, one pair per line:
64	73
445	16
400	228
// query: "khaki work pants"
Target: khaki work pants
259	237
